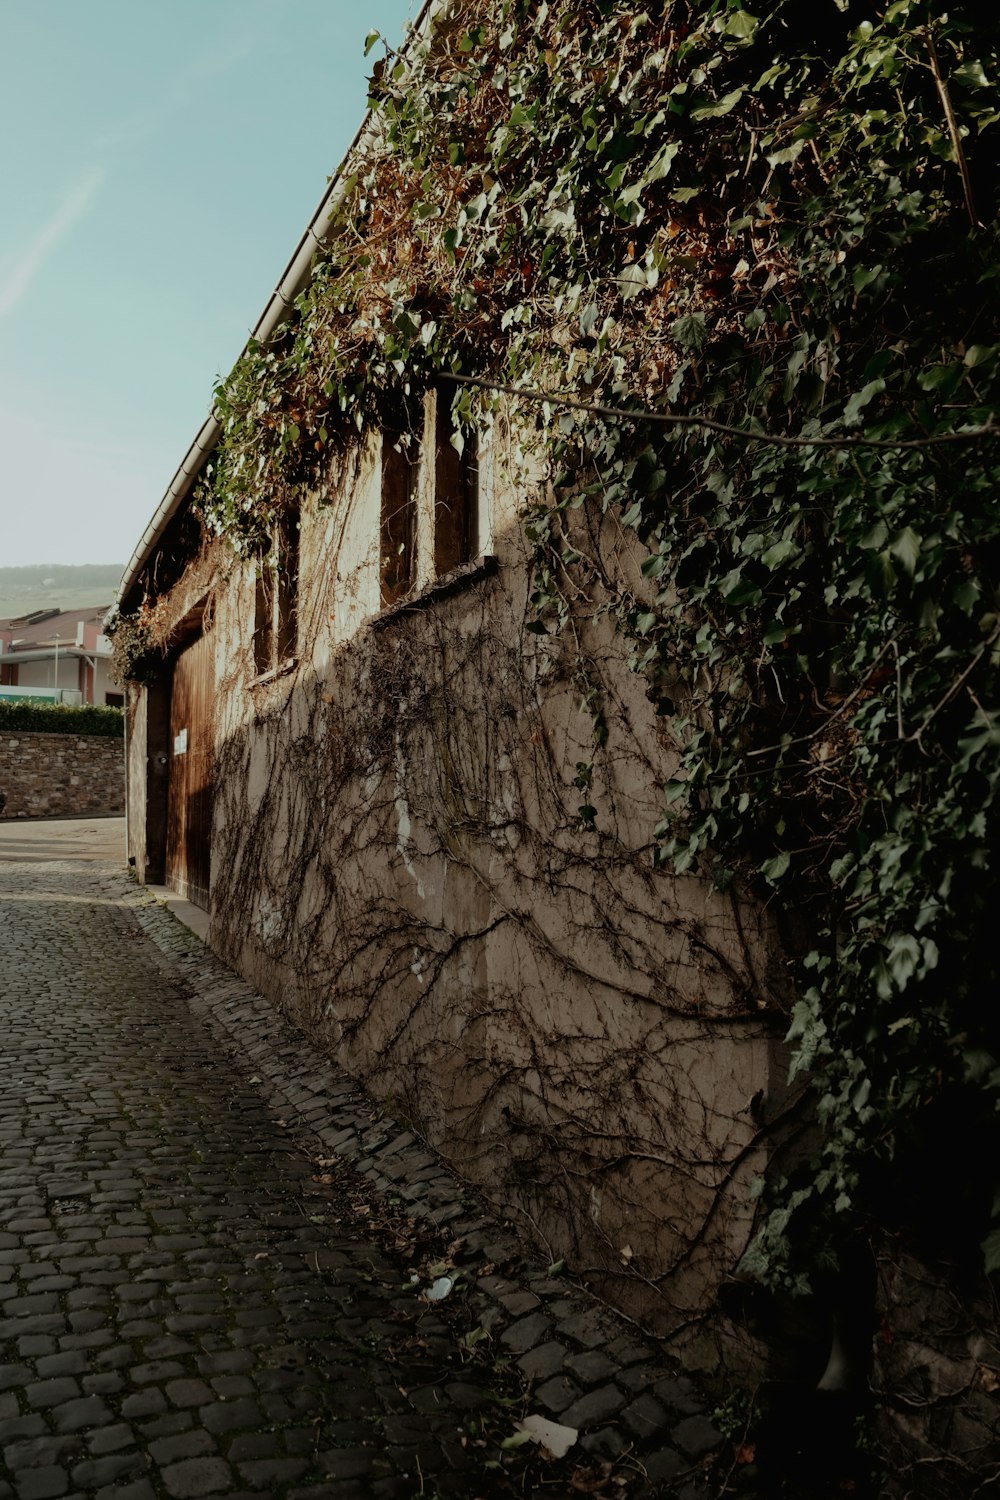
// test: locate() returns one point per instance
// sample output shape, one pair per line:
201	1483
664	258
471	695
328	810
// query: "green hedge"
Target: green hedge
61	718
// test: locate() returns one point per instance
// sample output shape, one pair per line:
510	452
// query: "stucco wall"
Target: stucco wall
61	775
73	675
398	860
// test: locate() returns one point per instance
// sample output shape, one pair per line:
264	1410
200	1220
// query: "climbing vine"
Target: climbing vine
758	256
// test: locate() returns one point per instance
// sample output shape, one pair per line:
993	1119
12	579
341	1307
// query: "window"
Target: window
431	500
456	492
275	604
397	553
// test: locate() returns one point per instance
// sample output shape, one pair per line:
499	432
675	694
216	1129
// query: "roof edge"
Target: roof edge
295	278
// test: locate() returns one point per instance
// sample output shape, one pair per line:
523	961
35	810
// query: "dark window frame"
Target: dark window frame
275	632
400	473
456	492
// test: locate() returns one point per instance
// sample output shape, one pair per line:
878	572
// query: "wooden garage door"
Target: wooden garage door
189	795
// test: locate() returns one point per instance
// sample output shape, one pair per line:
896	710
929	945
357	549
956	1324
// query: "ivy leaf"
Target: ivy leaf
864	276
779	553
860	399
661	163
876	537
631	281
773	869
943	378
906	547
972	74
904	956
690	331
588	319
718	106
741	25
991	1251
787	154
740	592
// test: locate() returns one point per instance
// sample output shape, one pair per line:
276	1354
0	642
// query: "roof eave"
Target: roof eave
293	282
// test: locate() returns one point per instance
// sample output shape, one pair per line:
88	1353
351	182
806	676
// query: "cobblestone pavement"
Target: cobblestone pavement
188	1309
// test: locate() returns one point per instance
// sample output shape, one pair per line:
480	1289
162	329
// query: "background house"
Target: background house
62	655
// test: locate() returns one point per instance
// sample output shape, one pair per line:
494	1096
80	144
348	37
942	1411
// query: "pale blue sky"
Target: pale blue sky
161	159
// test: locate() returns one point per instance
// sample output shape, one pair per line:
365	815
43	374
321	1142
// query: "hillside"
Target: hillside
57	585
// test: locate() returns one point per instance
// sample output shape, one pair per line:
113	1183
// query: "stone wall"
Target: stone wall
61	775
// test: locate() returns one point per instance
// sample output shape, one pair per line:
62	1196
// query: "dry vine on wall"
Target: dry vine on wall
744	268
438	855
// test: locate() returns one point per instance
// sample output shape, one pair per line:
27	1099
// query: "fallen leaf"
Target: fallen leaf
553	1436
588	1481
746	1453
517	1439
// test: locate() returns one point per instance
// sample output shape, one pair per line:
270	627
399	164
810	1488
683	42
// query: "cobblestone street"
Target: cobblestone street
188	1309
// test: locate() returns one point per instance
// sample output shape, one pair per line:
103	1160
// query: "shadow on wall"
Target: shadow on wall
399	860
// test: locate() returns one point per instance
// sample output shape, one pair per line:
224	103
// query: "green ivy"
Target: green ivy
771	241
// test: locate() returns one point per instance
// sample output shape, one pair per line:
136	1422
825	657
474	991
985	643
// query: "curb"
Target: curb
587	1368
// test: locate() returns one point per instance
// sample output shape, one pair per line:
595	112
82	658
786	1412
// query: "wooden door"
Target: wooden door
189	790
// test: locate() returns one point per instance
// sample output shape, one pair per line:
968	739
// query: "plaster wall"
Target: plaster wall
73	674
43	674
398	860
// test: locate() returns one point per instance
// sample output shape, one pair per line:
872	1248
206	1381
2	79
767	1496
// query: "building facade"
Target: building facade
62	655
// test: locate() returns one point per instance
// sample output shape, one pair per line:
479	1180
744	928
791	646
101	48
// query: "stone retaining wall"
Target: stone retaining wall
61	775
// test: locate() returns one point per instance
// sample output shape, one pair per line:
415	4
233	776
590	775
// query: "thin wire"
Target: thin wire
675	419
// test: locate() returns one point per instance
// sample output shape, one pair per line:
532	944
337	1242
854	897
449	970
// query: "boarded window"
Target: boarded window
276	599
456	494
263	618
286	603
397	569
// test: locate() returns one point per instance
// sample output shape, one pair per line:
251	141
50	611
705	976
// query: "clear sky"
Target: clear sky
161	159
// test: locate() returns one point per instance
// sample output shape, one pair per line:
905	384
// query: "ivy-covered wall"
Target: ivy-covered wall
400	860
734	275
